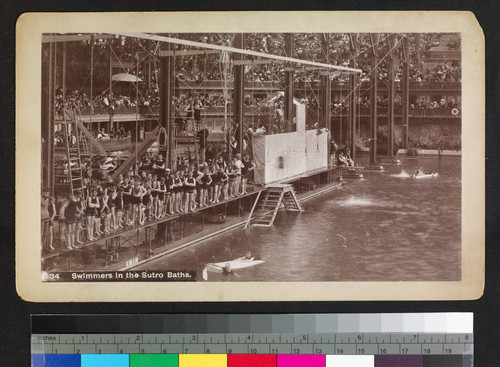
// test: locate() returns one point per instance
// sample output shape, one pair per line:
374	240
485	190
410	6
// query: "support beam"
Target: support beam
235	50
239	92
288	92
393	62
48	118
405	92
187	52
374	38
353	98
326	85
353	113
166	81
75	37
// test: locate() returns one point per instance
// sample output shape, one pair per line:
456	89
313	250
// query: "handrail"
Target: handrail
253	209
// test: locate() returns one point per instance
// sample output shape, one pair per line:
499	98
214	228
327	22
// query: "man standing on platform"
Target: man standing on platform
197	114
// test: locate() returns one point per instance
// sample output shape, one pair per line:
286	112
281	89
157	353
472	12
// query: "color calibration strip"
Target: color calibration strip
246	360
430	339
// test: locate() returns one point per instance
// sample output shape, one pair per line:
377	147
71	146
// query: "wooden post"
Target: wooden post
288	92
374	38
239	91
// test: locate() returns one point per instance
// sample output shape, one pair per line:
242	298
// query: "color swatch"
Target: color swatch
247	360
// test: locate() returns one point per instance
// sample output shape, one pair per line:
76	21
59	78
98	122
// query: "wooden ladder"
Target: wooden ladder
264	211
72	175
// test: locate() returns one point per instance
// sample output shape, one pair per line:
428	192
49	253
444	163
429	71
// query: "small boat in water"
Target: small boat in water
229	266
425	175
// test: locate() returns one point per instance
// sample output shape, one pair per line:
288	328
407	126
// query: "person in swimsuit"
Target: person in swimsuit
179	190
80	213
127	192
119	207
62	219
159	167
190	187
197	114
162	191
98	214
135	200
205	180
232	173
106	212
211	187
52	214
248	167
239	166
172	193
145	205
70	215
90	212
219	181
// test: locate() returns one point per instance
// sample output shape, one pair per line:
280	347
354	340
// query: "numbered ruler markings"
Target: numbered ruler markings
342	343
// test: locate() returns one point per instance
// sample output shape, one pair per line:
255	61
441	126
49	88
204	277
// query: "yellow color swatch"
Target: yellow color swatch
202	360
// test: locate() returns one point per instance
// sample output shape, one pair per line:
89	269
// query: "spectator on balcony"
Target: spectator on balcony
179	121
189	111
103	135
108	164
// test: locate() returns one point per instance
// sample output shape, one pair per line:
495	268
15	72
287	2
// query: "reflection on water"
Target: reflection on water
387	227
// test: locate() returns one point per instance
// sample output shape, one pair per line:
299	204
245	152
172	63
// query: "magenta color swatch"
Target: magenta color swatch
296	360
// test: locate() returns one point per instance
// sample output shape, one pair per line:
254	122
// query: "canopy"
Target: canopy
125	77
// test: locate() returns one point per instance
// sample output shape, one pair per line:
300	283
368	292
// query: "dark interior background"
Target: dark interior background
14	313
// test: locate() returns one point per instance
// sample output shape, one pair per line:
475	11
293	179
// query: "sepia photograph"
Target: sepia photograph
253	156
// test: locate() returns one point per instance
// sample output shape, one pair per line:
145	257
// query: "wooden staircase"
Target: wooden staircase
268	203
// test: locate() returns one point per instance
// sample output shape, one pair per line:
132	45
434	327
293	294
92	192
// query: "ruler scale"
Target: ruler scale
339	340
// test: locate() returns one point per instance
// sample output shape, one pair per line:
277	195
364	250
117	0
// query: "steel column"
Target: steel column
326	84
288	91
405	92
373	99
166	103
239	92
390	112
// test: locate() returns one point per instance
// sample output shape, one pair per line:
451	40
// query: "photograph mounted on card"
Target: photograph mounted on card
241	156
